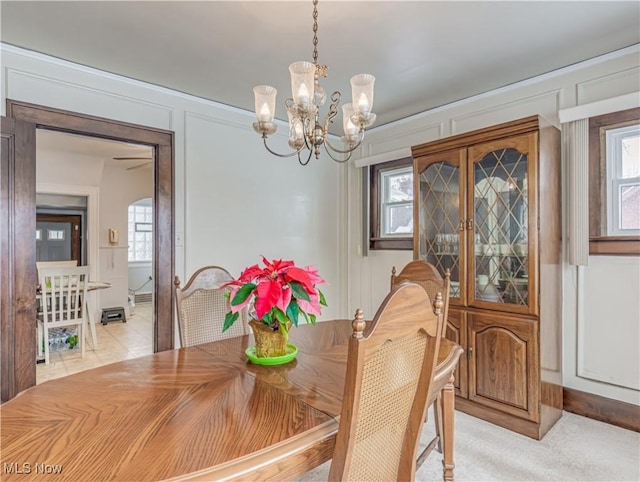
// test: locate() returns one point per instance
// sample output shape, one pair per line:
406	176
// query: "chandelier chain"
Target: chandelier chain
315	32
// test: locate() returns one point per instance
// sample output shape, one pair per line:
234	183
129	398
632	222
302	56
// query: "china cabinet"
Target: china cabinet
488	208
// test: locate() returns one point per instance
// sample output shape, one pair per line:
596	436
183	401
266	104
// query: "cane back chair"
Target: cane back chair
202	306
390	367
442	390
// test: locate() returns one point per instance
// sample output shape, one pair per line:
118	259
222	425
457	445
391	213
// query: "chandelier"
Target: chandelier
306	133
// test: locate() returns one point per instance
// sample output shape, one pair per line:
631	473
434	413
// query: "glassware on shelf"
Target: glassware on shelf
438	243
447	243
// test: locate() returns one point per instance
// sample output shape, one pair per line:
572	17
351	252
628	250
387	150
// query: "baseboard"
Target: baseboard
615	412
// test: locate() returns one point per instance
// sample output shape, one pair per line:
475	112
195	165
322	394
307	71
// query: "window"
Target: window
623	181
140	231
55	234
391	205
614	183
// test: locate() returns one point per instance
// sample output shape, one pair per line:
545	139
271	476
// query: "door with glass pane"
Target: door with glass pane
503	225
441	241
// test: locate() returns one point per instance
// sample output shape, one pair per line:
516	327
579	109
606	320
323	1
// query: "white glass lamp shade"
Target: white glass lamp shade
265	96
350	129
362	93
296	131
302	82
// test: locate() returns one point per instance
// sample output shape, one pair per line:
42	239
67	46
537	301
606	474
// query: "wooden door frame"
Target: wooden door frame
162	142
17	276
76	239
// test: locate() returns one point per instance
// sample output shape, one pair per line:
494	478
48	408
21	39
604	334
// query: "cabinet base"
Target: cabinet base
510	422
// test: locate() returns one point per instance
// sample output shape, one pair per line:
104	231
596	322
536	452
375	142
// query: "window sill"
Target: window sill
403	244
617	246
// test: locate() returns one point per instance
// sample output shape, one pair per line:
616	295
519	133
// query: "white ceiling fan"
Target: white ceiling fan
137	166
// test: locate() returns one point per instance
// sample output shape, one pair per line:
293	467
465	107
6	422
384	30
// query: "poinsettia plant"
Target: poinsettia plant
277	294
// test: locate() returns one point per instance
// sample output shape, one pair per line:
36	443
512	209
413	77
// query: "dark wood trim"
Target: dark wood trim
615	412
17	258
599	243
620	246
163	144
375	241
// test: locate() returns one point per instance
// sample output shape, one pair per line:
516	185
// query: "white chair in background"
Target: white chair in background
72	263
63	302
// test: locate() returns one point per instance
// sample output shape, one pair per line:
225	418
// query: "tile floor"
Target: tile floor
116	341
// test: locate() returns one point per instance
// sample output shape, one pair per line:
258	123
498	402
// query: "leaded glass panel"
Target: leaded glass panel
439	220
501	227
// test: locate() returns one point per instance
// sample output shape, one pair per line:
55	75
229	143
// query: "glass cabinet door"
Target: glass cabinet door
441	241
500	238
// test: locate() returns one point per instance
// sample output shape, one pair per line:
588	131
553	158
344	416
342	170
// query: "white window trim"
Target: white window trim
383	207
615	181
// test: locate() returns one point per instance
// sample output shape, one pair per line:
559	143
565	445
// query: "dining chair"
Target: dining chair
390	368
72	263
442	391
63	293
202	306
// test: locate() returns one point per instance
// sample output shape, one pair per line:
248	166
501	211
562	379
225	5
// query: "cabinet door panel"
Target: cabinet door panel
456	331
502	203
503	368
439	213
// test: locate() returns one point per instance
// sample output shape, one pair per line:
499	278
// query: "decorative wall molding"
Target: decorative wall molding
21	85
633	49
600	88
28	54
406	138
545	103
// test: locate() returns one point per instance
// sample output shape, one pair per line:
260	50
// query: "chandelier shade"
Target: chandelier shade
306	132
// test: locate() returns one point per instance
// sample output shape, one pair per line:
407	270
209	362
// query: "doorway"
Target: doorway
120	173
18	287
58	237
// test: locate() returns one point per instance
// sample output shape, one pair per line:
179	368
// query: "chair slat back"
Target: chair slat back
390	369
202	306
426	275
64	294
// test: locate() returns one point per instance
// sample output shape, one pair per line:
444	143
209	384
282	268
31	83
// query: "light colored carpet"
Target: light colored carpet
575	449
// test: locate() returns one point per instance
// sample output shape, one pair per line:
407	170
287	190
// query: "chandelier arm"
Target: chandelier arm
291	154
346	151
308	158
341	161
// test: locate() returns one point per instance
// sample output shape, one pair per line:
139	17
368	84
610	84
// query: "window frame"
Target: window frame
148	234
376	241
600	243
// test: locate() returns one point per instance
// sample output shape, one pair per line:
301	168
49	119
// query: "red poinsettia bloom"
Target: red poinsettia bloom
279	293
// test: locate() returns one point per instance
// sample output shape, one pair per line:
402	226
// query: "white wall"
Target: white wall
118	189
606	365
233	200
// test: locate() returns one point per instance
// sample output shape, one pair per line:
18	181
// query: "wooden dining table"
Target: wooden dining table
198	413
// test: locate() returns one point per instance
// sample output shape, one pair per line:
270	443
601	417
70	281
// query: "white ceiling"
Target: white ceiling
97	150
424	54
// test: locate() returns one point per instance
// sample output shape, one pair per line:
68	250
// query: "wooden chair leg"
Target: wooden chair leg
437	420
448	409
